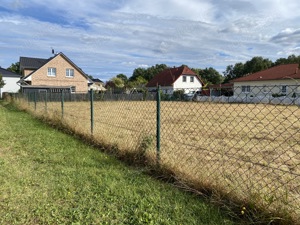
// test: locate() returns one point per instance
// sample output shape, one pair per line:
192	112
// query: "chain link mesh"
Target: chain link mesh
245	145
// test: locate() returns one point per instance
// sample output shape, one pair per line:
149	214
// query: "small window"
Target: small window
191	79
246	89
283	89
73	89
51	71
183	78
69	72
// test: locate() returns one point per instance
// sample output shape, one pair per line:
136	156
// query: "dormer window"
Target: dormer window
69	72
51	71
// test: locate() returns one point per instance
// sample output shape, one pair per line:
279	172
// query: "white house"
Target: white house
97	85
177	78
282	80
10	79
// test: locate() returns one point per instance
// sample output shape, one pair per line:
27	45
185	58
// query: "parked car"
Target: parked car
191	95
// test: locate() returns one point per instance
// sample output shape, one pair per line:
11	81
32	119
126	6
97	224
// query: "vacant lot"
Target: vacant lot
248	151
47	177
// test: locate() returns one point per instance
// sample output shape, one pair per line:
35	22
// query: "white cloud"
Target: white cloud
104	37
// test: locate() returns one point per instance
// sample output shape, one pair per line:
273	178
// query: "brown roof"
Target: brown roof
168	76
281	72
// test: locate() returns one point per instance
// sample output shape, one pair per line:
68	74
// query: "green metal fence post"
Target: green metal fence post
62	103
92	110
34	97
158	126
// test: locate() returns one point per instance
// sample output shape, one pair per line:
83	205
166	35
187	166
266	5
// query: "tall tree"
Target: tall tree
118	82
15	68
148	73
257	64
123	77
241	69
289	59
210	76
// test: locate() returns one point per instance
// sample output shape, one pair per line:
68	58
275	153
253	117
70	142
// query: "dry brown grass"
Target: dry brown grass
250	152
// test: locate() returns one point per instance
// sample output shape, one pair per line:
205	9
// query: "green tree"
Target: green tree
138	83
257	64
210	76
118	82
289	59
2	83
254	65
233	72
123	77
15	68
148	73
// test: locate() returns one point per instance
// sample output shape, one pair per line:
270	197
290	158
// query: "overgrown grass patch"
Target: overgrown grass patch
48	177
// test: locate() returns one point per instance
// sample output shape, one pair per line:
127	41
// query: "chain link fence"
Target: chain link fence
243	146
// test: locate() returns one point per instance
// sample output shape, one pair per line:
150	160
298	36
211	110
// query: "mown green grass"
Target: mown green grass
48	177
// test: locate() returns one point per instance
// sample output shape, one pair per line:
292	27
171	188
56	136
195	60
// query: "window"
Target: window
73	89
183	78
191	79
52	71
69	73
283	89
246	89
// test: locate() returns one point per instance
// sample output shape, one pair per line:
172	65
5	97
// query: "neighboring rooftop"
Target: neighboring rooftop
281	72
7	73
96	80
168	76
32	63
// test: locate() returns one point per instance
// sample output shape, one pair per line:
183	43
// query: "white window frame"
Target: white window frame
51	72
73	89
192	79
184	79
246	89
70	73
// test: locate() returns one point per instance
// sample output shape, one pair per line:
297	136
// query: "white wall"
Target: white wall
179	84
264	88
10	85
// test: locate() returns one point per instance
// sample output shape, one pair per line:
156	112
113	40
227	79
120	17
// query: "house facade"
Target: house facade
282	80
52	75
10	79
97	86
174	79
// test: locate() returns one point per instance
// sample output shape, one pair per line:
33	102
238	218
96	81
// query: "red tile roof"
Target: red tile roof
168	76
281	72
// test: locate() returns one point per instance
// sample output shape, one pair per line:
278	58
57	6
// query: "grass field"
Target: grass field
250	152
48	177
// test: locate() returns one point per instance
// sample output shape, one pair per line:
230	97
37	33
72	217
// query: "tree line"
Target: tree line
141	76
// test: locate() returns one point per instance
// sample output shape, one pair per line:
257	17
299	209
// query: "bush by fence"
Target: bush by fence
248	152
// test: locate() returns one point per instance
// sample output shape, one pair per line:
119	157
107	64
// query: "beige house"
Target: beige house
52	75
282	80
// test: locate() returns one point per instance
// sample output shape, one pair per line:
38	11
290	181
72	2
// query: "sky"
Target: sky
108	37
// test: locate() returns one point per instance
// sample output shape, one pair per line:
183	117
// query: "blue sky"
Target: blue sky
109	37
